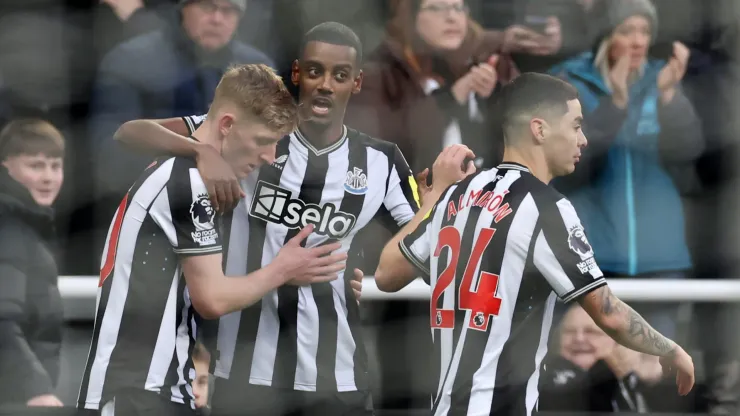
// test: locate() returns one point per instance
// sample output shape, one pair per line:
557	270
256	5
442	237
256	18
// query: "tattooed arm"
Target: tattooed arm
630	329
625	325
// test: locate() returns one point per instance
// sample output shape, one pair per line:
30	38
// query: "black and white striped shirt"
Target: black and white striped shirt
308	338
145	325
499	247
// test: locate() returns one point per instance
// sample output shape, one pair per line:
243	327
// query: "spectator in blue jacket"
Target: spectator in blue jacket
643	137
165	73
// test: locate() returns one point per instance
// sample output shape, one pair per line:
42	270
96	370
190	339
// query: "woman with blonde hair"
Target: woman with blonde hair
643	137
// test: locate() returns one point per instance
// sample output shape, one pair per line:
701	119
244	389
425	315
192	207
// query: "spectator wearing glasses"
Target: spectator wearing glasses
644	137
427	86
31	174
166	73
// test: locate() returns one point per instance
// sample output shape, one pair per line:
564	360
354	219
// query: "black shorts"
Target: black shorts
143	403
250	400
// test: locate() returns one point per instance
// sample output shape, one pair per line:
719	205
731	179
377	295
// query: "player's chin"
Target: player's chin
318	120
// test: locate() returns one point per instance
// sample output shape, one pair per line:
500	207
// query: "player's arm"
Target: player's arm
406	254
402	257
168	137
564	256
214	295
160	137
184	213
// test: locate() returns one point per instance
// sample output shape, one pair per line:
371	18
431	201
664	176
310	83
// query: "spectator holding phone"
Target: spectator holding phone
428	84
643	137
425	87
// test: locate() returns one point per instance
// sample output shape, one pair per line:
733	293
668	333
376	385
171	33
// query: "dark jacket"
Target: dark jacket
160	74
566	388
30	304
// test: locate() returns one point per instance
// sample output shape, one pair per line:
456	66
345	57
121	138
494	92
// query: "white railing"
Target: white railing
79	292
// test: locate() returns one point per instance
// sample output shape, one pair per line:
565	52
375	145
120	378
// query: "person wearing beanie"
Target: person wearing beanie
643	137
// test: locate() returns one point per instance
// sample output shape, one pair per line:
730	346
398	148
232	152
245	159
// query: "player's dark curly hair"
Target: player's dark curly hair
336	34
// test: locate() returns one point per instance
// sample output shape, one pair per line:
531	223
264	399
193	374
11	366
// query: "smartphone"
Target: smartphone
536	23
662	51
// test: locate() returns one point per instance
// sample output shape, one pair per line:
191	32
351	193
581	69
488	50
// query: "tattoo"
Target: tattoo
631	329
610	305
639	329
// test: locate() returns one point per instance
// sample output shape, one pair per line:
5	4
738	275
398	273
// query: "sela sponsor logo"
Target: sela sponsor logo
202	213
477	198
274	204
356	182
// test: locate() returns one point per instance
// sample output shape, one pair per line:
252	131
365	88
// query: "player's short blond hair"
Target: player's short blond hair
31	137
260	93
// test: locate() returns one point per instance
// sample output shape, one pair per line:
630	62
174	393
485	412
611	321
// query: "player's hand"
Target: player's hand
421	186
303	266
450	166
221	182
356	284
45	400
680	364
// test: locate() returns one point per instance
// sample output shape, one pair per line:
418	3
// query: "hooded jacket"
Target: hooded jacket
30	303
631	172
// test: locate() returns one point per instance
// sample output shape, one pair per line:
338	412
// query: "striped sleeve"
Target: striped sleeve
416	247
563	254
401	199
191	213
193	122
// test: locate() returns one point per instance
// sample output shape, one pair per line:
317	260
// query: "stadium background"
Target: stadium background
50	50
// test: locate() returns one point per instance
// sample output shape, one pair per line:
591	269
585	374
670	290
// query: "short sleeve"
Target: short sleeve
416	246
401	199
563	254
192	216
193	122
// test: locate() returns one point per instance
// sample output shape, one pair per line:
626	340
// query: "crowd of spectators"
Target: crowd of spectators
657	81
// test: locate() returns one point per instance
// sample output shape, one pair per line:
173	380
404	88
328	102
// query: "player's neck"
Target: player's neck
208	134
322	136
534	161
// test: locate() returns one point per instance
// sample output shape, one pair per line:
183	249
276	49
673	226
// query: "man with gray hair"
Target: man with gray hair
166	73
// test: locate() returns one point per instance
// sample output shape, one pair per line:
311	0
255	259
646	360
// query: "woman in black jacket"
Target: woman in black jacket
31	175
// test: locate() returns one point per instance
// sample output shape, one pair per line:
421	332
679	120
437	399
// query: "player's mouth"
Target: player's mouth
321	106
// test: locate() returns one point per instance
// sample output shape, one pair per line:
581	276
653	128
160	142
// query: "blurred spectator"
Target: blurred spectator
167	73
119	20
589	372
429	82
538	33
643	139
425	87
31	176
201	362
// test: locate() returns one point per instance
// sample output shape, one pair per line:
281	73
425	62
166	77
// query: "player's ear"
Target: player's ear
358	82
539	129
295	72
225	123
